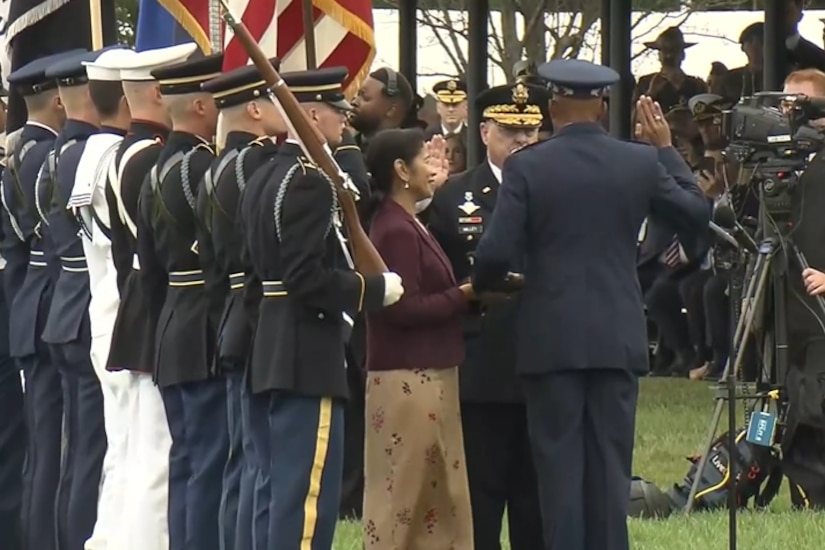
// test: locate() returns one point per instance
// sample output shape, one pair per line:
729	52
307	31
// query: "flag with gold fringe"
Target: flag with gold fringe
344	35
193	16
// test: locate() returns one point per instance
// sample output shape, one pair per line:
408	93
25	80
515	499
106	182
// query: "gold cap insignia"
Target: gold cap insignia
452	85
520	94
700	107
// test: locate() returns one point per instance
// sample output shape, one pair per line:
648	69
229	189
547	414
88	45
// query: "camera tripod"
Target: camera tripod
769	271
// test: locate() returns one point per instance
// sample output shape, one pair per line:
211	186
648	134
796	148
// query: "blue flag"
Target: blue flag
156	28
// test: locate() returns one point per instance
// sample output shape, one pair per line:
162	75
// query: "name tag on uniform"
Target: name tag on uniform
761	429
466	229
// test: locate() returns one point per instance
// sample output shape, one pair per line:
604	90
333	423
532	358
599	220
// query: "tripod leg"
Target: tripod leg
754	296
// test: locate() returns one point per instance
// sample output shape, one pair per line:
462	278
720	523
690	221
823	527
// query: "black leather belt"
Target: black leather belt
186	278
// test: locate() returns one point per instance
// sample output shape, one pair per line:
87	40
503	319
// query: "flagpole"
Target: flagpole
96	24
309	35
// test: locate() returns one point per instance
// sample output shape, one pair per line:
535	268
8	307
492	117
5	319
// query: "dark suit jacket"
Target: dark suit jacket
806	55
572	207
422	330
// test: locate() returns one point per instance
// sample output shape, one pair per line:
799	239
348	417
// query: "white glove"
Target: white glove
393	289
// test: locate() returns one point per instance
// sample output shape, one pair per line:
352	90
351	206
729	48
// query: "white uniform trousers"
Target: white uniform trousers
147	487
118	393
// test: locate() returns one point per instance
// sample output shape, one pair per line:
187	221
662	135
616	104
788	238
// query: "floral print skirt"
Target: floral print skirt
416	495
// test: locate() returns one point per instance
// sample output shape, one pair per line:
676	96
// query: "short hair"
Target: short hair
754	31
405	91
106	96
814	76
38	102
718	68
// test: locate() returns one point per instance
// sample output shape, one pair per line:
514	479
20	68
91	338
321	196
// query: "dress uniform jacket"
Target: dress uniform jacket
170	253
133	337
230	172
34	298
458	215
68	320
19	214
307	285
595	307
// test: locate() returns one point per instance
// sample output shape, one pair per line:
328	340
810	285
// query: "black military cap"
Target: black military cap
450	91
71	71
518	106
187	77
238	86
30	79
575	78
324	85
707	106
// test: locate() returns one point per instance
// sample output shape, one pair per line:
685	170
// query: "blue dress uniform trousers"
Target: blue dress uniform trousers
581	428
43	404
84	429
235	520
307	449
12	437
256	490
179	469
196	413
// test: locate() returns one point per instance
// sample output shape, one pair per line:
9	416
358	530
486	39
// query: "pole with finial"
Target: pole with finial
96	24
309	35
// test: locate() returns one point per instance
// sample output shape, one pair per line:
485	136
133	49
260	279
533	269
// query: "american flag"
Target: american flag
344	34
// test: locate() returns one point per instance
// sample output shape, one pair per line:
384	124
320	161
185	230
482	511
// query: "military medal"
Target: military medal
468	207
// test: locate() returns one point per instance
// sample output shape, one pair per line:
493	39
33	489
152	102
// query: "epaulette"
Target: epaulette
306	165
347	148
528	146
203	146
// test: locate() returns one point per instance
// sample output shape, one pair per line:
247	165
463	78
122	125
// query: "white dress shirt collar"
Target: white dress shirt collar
496	170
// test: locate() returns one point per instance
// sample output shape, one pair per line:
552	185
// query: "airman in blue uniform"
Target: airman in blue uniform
28	286
67	330
571	208
175	252
249	118
13	429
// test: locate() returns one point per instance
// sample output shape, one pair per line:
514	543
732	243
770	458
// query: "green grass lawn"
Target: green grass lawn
671	424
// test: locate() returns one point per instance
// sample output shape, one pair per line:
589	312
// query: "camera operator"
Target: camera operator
804	439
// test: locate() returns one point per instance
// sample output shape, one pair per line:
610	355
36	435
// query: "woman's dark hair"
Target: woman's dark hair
385	148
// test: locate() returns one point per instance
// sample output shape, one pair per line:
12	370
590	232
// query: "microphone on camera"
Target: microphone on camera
725	217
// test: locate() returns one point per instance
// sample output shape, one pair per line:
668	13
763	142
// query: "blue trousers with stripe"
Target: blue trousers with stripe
44	421
196	413
307	460
255	488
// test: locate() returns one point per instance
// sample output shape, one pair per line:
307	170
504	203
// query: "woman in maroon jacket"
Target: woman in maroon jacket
416	494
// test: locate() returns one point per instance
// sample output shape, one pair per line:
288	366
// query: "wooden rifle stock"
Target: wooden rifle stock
366	258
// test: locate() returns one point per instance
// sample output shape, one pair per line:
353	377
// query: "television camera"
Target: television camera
770	137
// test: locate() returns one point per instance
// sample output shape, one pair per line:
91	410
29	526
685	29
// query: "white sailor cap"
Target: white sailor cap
140	66
108	65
